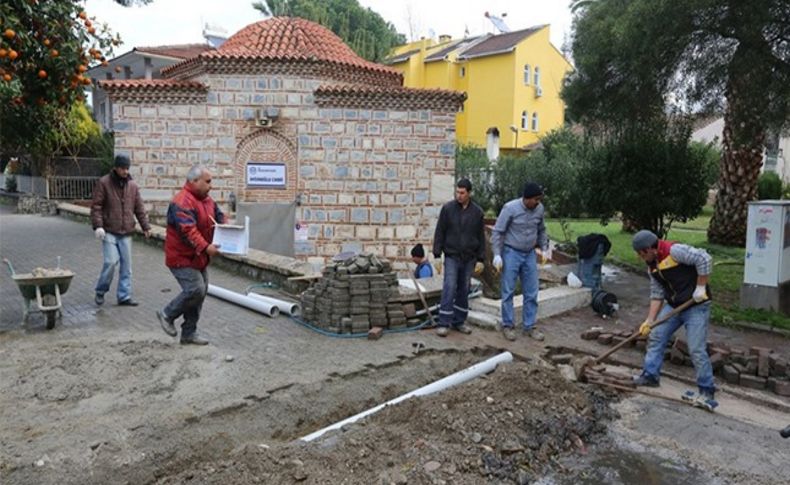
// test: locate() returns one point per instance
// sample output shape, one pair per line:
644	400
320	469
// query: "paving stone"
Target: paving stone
731	374
605	338
375	333
763	364
591	334
753	382
681	345
676	356
717	361
779	386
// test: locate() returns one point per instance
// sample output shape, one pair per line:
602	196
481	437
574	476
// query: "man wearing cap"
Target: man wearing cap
116	203
423	269
518	241
678	273
460	236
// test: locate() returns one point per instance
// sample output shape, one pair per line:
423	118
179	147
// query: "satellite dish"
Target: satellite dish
498	22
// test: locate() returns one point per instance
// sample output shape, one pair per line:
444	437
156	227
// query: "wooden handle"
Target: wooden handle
424	302
636	334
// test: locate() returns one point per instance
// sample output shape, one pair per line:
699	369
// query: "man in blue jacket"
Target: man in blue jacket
518	241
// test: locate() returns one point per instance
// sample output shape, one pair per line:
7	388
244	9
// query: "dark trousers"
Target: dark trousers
454	306
194	286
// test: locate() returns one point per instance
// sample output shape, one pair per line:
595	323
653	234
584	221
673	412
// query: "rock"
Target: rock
490	400
511	446
229	358
399	479
567	372
432	466
476	437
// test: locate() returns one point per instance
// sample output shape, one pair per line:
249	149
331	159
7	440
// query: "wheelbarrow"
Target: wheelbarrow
46	289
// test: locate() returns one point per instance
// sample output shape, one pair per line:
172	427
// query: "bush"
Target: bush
769	186
711	155
649	174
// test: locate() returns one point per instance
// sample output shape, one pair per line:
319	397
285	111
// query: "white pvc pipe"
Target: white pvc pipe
287	307
242	300
452	380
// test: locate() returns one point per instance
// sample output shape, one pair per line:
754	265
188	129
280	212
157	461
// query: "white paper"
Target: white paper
232	239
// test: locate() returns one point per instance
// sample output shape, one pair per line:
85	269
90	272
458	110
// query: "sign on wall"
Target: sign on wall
266	175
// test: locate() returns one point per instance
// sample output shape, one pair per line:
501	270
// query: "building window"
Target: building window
462	72
537	76
524	120
535	121
526	74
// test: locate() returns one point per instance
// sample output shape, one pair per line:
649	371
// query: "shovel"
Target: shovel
580	365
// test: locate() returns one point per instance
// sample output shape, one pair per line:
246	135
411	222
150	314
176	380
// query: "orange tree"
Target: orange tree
46	47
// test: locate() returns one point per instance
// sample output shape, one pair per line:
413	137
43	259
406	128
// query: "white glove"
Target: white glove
100	233
700	294
497	263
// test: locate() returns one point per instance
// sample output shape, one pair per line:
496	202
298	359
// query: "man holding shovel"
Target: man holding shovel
678	273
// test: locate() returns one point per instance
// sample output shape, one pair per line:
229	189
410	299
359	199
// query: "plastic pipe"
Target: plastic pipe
452	380
287	307
242	300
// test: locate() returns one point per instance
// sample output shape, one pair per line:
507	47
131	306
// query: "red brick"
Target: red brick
375	333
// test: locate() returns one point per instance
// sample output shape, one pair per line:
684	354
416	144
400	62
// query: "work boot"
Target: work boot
99	299
166	323
193	339
534	334
442	331
509	333
645	380
128	302
464	329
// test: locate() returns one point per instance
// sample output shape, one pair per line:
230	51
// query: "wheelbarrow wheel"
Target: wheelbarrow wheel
51	315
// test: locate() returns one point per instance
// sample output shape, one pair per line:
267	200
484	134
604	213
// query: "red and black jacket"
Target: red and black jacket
190	229
677	279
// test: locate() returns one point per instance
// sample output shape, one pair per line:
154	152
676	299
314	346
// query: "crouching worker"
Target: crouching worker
424	269
678	273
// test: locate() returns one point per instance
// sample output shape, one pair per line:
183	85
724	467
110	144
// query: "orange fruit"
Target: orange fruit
9	34
105	63
83	15
82	68
92	30
54	53
42	74
88	23
6	77
12	54
86	81
3	53
47	42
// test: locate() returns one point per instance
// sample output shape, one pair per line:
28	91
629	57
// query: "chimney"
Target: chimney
444	38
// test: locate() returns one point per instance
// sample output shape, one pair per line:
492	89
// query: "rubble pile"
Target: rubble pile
757	368
355	295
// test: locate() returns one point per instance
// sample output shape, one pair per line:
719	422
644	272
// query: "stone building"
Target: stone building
325	151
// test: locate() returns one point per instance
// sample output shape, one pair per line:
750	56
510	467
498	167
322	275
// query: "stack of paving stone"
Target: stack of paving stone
757	368
354	296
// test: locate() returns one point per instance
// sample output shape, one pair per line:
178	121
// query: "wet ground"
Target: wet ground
107	397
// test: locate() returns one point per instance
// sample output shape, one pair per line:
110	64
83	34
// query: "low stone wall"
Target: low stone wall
256	265
33	204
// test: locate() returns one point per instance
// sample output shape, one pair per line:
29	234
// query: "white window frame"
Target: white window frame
537	77
462	71
527	74
525	120
535	121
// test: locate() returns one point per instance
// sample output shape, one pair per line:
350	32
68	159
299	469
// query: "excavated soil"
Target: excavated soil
508	427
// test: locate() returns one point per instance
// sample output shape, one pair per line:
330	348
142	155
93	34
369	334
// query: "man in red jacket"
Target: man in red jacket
188	250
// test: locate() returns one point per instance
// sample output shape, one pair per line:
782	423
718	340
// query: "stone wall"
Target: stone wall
371	180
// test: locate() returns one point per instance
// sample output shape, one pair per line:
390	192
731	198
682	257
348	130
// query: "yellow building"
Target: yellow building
512	80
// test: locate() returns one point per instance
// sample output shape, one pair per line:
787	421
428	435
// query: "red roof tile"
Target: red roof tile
154	89
181	51
381	97
289	39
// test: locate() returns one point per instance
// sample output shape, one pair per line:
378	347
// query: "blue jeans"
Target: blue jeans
695	320
117	250
455	291
194	286
524	265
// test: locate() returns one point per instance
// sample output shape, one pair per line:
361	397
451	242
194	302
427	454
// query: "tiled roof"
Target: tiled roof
393	98
181	51
147	90
401	57
441	53
497	44
286	39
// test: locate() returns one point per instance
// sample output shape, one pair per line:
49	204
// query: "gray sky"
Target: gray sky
180	21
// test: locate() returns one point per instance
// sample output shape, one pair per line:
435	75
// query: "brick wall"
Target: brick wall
369	180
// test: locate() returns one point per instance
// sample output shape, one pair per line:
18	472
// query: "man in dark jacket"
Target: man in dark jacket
191	217
116	203
460	235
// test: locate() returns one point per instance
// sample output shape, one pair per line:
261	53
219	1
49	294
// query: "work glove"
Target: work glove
100	234
478	268
438	265
644	329
700	294
539	253
498	263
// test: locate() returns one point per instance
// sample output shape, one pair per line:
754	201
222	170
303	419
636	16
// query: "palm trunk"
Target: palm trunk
742	155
